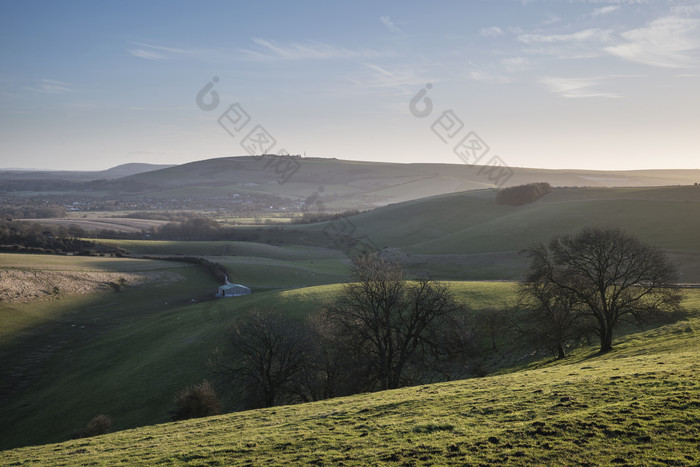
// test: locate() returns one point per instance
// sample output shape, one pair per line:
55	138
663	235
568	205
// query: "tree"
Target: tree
269	354
385	323
522	194
610	273
555	315
199	400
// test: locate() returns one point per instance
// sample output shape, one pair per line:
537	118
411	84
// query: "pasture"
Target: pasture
637	405
128	353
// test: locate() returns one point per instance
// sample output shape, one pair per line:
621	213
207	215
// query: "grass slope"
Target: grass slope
128	355
439	229
639	404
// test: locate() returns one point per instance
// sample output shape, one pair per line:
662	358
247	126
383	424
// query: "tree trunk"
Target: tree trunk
560	350
605	340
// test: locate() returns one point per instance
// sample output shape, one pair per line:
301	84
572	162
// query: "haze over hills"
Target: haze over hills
343	184
123	170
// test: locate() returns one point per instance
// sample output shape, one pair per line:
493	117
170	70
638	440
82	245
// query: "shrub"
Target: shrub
199	400
522	194
99	425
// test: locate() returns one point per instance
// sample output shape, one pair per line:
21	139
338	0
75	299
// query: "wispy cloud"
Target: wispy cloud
493	31
577	87
390	25
666	42
51	86
159	52
551	18
271	50
584	35
587	43
514	64
147	54
686	9
605	10
486	77
399	79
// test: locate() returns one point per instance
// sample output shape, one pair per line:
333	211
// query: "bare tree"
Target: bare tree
385	322
609	272
268	355
555	315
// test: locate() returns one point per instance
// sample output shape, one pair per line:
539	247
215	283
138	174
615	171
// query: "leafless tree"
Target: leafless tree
268	353
385	322
555	315
609	272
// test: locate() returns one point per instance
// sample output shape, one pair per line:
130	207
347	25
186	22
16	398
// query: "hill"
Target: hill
127	353
341	184
361	184
469	233
123	170
637	405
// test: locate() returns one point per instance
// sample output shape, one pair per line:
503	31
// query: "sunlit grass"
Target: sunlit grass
639	404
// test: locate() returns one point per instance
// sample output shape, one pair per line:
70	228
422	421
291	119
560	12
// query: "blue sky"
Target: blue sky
551	84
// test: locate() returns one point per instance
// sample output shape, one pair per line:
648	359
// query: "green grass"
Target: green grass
16	318
255	264
81	263
222	248
136	351
472	222
639	404
441	228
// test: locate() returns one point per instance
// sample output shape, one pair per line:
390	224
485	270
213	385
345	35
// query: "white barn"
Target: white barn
232	290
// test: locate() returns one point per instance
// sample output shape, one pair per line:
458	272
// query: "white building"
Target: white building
232	290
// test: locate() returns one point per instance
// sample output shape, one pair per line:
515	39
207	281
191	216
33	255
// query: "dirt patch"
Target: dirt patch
21	286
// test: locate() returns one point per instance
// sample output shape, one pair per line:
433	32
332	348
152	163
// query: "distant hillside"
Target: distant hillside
472	222
339	184
353	184
123	170
469	233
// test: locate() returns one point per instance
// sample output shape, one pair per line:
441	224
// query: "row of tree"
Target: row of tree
522	194
36	238
30	210
383	331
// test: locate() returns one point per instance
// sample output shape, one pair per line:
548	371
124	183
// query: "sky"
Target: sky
88	85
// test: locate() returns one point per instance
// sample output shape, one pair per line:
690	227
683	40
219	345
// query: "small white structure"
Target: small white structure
232	290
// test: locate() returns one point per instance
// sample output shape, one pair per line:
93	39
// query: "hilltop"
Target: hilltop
343	184
123	170
360	184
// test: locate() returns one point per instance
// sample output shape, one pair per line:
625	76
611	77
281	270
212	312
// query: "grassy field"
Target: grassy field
54	351
469	225
95	224
17	318
127	355
471	222
255	265
639	404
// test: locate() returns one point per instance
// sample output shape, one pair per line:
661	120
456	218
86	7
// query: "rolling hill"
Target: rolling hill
123	170
345	184
637	405
341	184
468	235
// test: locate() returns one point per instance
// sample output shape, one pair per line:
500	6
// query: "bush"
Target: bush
99	425
199	400
522	194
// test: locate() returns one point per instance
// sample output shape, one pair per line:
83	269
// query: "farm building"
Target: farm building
232	290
